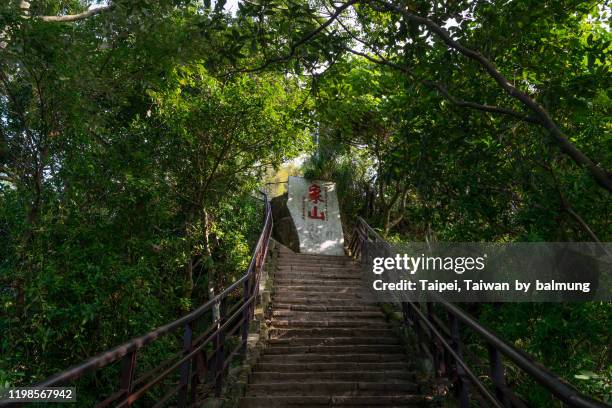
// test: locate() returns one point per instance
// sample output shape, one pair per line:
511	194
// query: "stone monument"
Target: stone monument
313	205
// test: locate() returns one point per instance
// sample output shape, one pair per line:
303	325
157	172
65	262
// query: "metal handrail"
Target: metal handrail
445	345
190	364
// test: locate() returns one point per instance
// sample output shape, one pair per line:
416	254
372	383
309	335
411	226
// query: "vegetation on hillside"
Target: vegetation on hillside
134	136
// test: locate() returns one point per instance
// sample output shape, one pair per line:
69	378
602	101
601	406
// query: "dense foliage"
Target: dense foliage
134	136
129	177
412	157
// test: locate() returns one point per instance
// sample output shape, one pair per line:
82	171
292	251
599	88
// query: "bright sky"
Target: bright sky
230	5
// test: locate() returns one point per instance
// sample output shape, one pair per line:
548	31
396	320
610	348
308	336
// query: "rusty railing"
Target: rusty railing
443	343
194	363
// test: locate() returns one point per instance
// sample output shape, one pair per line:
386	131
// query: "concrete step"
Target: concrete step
305	281
324	308
356	281
311	274
287	388
303	254
381	376
317	258
331	264
317	262
322	292
308	277
313	257
389	401
340	270
324	367
317	332
321	299
322	315
336	349
334	358
296	288
315	265
302	319
319	302
329	273
327	345
332	341
336	323
346	301
323	275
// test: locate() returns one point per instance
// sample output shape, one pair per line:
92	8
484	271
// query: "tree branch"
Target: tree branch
444	91
487	108
401	210
582	223
333	17
439	87
24	6
601	176
76	17
8	179
566	206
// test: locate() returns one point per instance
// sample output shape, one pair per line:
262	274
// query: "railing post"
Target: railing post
252	293
359	241
128	366
408	319
433	346
354	240
448	360
497	375
200	366
246	315
418	330
185	367
462	384
412	322
220	357
437	351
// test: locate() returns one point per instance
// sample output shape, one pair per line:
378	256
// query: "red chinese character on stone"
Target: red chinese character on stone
314	214
314	191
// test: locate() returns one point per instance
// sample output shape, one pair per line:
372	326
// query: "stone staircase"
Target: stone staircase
327	346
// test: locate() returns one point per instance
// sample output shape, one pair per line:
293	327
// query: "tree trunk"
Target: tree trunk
188	285
212	278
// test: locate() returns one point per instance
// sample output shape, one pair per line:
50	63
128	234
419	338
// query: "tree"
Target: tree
128	169
419	43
